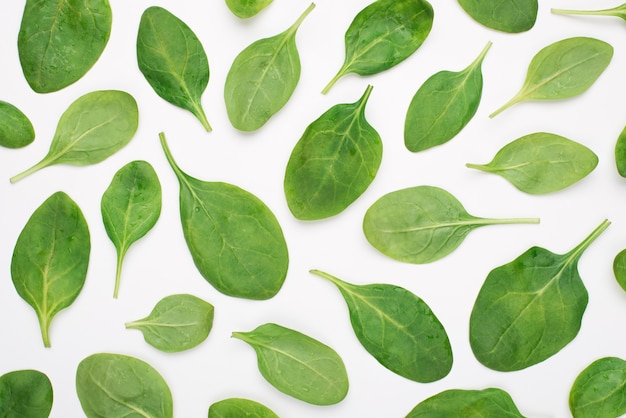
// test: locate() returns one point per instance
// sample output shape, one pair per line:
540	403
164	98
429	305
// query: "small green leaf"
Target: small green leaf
25	394
16	130
619	268
600	390
237	408
618	11
297	364
245	9
486	403
511	16
529	309
333	163
620	153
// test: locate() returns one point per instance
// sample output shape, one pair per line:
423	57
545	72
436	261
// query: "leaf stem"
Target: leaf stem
481	167
199	112
44	325
118	275
580	248
506	221
41	164
298	22
168	155
516	99
327	276
481	56
332	82
603	12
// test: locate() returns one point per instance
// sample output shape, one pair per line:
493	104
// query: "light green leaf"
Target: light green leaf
245	9
511	16
599	390
486	403
620	153
237	408
619	268
16	130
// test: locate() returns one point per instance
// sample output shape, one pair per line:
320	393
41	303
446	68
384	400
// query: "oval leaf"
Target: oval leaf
114	385
50	259
619	268
620	153
245	9
398	329
237	407
262	78
59	41
16	130
421	224
511	16
25	393
297	364
600	390
529	309
333	163
172	59
491	402
541	163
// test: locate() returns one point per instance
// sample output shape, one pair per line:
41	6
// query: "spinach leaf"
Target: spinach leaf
619	268
541	163
421	224
16	130
562	70
443	105
262	78
618	11
247	8
114	385
25	393
59	41
529	309
600	390
235	240
490	402
620	153
511	16
384	34
92	129
130	207
50	259
177	323
172	59
398	329
237	407
297	364
333	163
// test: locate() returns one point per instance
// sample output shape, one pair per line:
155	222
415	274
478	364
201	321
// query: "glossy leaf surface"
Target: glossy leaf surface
25	393
297	364
262	78
238	407
235	240
60	40
620	153
114	385
172	59
486	403
16	130
398	329
600	390
383	34
93	128
443	105
245	9
618	11
541	163
333	163
511	16
421	224
619	268
529	309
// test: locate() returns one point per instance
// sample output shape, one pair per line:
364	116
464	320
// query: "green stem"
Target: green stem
506	221
580	248
481	56
293	28
327	276
41	164
363	100
118	275
199	112
480	167
332	82
44	325
603	12
169	157
516	99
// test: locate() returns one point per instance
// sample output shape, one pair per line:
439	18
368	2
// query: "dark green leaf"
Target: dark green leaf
511	16
25	394
600	390
620	153
16	130
237	408
619	268
247	8
618	11
486	403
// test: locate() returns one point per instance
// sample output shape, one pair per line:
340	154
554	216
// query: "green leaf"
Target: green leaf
422	224
600	390
237	408
245	9
511	16
619	268
398	329
486	403
50	259
541	163
529	309
235	240
620	153
618	11
562	70
60	40
25	394
114	385
297	364
384	34
177	323
16	130
172	59
443	105
262	78
93	128
333	163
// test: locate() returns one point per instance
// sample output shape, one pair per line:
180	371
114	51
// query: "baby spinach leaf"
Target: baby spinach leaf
384	34
235	240
529	309
618	11
541	163
600	390
114	385
247	8
443	105
93	128
422	224
333	163
262	78
130	207
177	323
511	16
398	329
562	70
237	408
25	393
172	59
619	268
297	364
620	153
60	40
50	259
490	402
16	130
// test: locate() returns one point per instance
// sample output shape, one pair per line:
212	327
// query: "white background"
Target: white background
160	264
